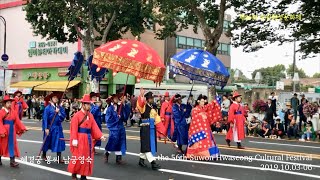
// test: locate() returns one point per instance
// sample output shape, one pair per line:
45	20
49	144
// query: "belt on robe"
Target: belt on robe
88	132
11	135
238	112
150	121
168	113
20	109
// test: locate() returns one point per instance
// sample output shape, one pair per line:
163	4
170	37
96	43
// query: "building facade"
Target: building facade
40	65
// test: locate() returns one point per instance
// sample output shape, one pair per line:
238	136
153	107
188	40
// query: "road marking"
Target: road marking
294	145
238	166
199	162
255	150
95	178
265	160
192	174
51	169
29	122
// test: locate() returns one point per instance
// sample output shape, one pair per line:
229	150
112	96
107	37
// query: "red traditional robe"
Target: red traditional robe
166	118
19	105
201	142
237	118
85	134
10	125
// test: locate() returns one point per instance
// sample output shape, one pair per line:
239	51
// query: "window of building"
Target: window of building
193	43
150	25
190	41
226	25
197	43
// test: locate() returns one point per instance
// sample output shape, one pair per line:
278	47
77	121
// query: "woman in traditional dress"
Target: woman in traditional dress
201	143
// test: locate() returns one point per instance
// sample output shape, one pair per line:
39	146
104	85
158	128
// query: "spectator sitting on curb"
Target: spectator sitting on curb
308	132
278	130
253	126
265	131
293	128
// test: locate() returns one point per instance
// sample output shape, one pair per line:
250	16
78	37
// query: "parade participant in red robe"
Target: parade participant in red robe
166	116
83	130
237	120
19	104
201	143
10	126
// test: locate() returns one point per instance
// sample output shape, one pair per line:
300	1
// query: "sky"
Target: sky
271	55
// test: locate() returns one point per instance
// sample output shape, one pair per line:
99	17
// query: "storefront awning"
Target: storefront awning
27	84
56	86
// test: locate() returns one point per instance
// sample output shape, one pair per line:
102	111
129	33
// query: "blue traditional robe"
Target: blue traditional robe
96	112
53	141
180	113
117	132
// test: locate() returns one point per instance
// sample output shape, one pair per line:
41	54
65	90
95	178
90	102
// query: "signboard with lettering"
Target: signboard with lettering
62	71
39	75
46	48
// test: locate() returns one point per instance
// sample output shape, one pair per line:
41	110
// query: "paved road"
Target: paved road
262	159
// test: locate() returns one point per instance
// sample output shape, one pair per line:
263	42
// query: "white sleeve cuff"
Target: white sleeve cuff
74	142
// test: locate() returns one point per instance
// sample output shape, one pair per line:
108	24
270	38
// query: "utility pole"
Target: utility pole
4	57
294	64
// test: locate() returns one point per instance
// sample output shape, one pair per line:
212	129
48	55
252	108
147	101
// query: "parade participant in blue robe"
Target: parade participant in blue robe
96	112
117	132
54	131
180	114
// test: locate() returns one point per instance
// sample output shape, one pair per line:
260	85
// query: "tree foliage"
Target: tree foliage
316	75
241	79
300	71
270	75
266	21
176	15
90	20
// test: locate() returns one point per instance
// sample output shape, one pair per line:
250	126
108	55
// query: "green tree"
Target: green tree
270	75
176	15
241	79
316	75
300	71
253	24
90	20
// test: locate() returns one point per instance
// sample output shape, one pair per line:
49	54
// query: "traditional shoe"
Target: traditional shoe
240	146
119	160
155	166
228	142
141	163
106	157
44	158
14	164
74	177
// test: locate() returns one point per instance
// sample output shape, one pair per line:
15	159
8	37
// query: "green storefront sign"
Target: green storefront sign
46	48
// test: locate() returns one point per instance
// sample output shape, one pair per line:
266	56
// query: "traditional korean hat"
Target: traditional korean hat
235	95
92	94
288	104
149	95
7	98
55	93
166	94
15	93
86	99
